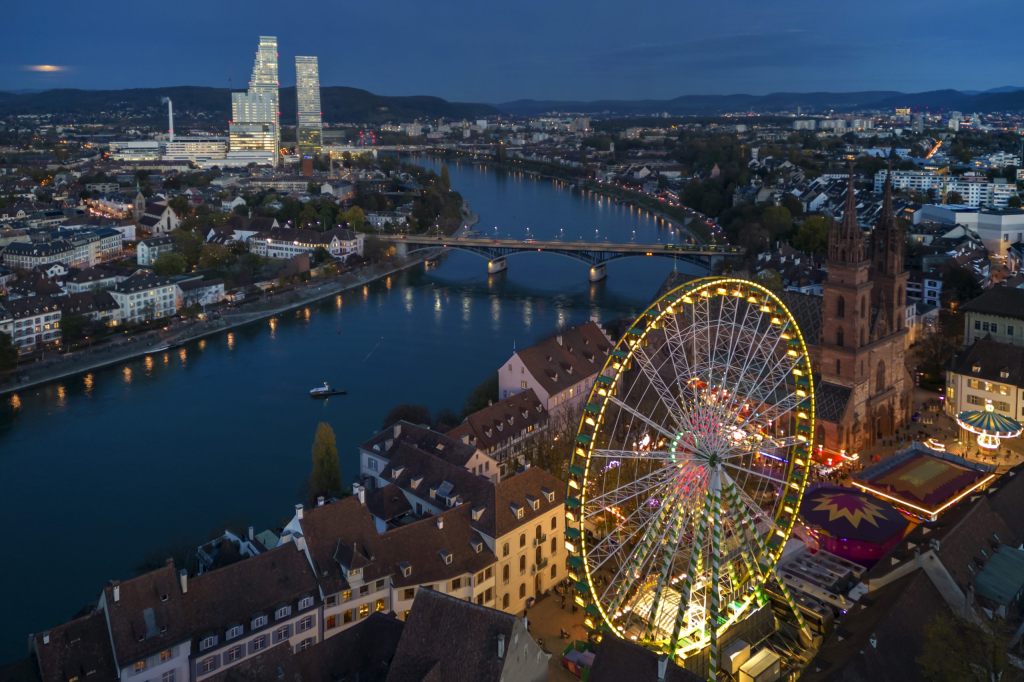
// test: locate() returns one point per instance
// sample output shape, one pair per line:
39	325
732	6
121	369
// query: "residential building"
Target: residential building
309	127
987	371
76	248
148	250
998	313
504	431
76	650
32	322
98	306
560	370
290	242
196	291
145	296
254	133
90	279
452	449
447	639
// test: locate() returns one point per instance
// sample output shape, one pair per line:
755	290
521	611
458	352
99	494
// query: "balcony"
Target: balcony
537	542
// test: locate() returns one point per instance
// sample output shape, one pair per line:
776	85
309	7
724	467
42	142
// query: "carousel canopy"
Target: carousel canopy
989	422
852	514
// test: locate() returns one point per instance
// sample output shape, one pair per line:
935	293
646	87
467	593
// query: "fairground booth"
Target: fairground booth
852	524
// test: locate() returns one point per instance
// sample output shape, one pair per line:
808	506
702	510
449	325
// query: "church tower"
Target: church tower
846	297
139	205
890	276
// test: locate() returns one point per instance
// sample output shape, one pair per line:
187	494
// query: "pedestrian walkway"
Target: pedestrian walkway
548	618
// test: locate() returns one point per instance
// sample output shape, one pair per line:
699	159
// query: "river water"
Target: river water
103	473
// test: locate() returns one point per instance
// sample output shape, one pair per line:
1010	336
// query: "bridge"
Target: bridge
594	254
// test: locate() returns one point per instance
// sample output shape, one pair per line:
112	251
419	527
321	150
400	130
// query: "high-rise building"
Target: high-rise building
255	130
309	126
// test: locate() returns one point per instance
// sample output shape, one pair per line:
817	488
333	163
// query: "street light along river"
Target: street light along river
104	472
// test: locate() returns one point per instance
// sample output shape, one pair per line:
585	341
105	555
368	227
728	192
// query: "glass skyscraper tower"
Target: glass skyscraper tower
309	128
255	130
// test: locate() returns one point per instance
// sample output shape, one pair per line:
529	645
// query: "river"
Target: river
103	473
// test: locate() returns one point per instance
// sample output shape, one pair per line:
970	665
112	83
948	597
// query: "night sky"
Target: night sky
492	52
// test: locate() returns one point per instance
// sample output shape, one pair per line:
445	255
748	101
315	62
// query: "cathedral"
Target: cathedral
857	332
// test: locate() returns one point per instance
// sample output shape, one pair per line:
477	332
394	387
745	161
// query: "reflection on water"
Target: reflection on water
62	394
272	323
87	382
337	301
202	344
183	353
126	373
231	340
148	362
15	402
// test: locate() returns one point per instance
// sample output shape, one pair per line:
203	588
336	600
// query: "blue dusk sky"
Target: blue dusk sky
492	52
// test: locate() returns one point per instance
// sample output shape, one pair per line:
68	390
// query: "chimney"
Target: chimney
117	594
298	512
360	492
183	579
440	523
46	638
501	645
398	430
559	339
300	543
320	501
251	534
662	668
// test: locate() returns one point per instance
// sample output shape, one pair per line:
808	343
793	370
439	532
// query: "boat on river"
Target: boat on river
325	391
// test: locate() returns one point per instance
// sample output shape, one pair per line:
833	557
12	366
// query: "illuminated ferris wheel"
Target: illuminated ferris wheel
689	465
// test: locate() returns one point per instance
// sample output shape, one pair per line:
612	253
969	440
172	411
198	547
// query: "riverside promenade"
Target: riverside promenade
61	366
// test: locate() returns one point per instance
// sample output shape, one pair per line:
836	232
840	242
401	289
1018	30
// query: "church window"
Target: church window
880	379
838	366
839	337
841	307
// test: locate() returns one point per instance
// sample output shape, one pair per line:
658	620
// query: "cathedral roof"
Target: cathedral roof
831	400
806	310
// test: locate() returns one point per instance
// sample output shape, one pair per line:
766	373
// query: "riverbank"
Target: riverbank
82	362
697	224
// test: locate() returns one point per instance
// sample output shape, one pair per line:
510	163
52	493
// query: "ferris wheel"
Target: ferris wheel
689	465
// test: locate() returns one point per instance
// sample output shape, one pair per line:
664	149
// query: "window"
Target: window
364	611
305	602
286	611
258	622
305	624
207	664
207	642
504	549
364	590
522	565
1009	330
348	616
378	606
522	539
504	574
554	522
332	622
305	644
140	665
456	583
522	384
504	602
839	337
554	571
234	653
841	307
346	595
379	585
168	676
408	593
233	632
166	654
260	643
839	366
554	546
522	590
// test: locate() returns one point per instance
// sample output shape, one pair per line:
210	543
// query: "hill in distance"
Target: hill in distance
339	104
1007	98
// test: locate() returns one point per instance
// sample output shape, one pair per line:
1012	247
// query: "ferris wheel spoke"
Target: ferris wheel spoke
657	382
642	417
756	514
680	456
631	489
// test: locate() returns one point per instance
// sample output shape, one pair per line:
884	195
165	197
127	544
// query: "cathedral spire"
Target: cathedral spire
888	240
845	239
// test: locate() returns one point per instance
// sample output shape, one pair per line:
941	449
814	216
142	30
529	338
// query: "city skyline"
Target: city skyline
309	131
610	52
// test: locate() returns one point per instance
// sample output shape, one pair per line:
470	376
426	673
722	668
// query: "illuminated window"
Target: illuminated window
364	611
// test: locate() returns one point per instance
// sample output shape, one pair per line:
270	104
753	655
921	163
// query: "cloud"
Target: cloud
45	68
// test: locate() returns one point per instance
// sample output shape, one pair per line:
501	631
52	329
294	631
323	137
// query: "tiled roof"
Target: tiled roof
78	649
149	616
30	306
164	240
831	400
1002	301
345	523
496	424
992	359
567	358
618	660
806	310
447	447
141	281
453	640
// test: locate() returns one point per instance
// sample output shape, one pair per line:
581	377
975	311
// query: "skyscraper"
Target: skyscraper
255	130
309	127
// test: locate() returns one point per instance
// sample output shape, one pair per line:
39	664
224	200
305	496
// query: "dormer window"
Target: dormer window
477	546
478	513
548	493
415	482
976	368
397	471
433	493
533	502
406	569
517	509
446	556
207	642
1004	373
258	622
307	602
233	632
282	612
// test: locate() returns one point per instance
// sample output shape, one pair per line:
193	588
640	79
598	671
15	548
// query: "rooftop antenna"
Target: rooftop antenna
170	117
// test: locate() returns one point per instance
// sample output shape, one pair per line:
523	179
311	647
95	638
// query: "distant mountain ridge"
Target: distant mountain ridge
339	104
1007	98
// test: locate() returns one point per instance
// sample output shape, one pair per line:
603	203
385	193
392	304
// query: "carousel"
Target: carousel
989	426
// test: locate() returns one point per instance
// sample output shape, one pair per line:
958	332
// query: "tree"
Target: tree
167	264
241	210
771	279
355	217
777	220
189	244
446	182
326	477
483	395
416	414
8	353
179	204
793	204
214	256
446	420
72	327
959	285
954	197
956	650
812	235
1014	201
